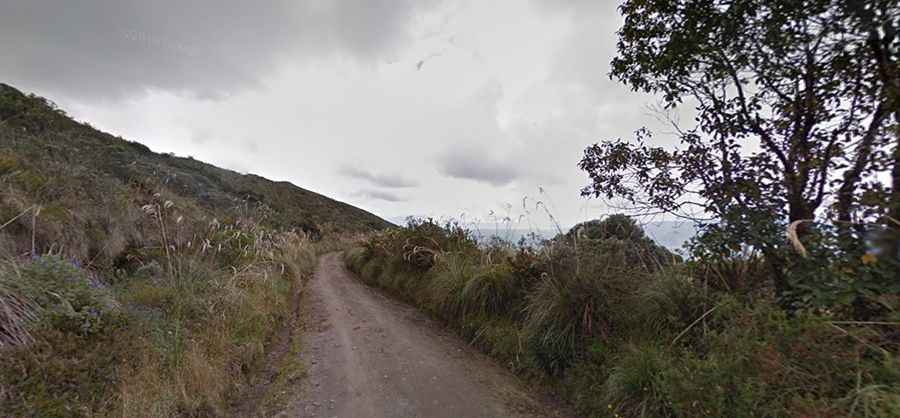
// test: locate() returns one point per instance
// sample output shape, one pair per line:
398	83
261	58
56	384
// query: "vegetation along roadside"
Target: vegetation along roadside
788	304
621	327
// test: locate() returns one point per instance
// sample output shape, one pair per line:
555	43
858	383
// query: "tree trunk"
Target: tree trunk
893	223
852	177
780	262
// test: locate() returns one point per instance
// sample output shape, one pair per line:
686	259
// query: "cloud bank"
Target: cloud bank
379	179
370	194
113	49
473	164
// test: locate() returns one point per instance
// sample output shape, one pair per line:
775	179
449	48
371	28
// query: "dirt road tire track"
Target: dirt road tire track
369	356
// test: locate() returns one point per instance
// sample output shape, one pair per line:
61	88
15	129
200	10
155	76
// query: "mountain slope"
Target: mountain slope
37	139
139	284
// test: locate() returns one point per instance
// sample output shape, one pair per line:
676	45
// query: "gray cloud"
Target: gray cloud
575	5
201	136
251	146
471	164
379	179
112	49
379	195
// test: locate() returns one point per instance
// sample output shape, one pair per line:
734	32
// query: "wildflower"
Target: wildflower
868	258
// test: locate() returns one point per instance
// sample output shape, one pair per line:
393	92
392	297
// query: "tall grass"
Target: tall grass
17	311
177	328
622	328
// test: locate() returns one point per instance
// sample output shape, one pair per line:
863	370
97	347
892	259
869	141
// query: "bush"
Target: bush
65	374
621	231
493	291
564	314
62	295
637	384
668	305
444	291
69	343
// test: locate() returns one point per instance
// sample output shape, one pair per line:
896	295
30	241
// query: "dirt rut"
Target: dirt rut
369	356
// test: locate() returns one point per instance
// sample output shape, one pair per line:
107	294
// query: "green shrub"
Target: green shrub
64	374
355	258
503	339
637	384
64	295
622	231
669	304
444	294
493	291
372	270
584	297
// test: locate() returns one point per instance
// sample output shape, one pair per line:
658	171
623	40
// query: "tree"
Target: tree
793	105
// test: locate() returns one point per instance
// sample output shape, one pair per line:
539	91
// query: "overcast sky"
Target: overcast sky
401	107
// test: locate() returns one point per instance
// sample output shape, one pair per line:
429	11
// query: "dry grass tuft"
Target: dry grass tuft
17	312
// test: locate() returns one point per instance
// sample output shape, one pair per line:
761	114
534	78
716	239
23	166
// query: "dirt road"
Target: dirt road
369	356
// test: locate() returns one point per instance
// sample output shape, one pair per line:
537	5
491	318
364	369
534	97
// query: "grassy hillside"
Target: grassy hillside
48	149
138	284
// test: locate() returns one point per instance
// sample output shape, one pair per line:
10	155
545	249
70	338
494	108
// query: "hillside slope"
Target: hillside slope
139	284
38	141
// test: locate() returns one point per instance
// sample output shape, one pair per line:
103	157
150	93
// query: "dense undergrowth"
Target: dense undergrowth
175	329
158	345
623	328
136	284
